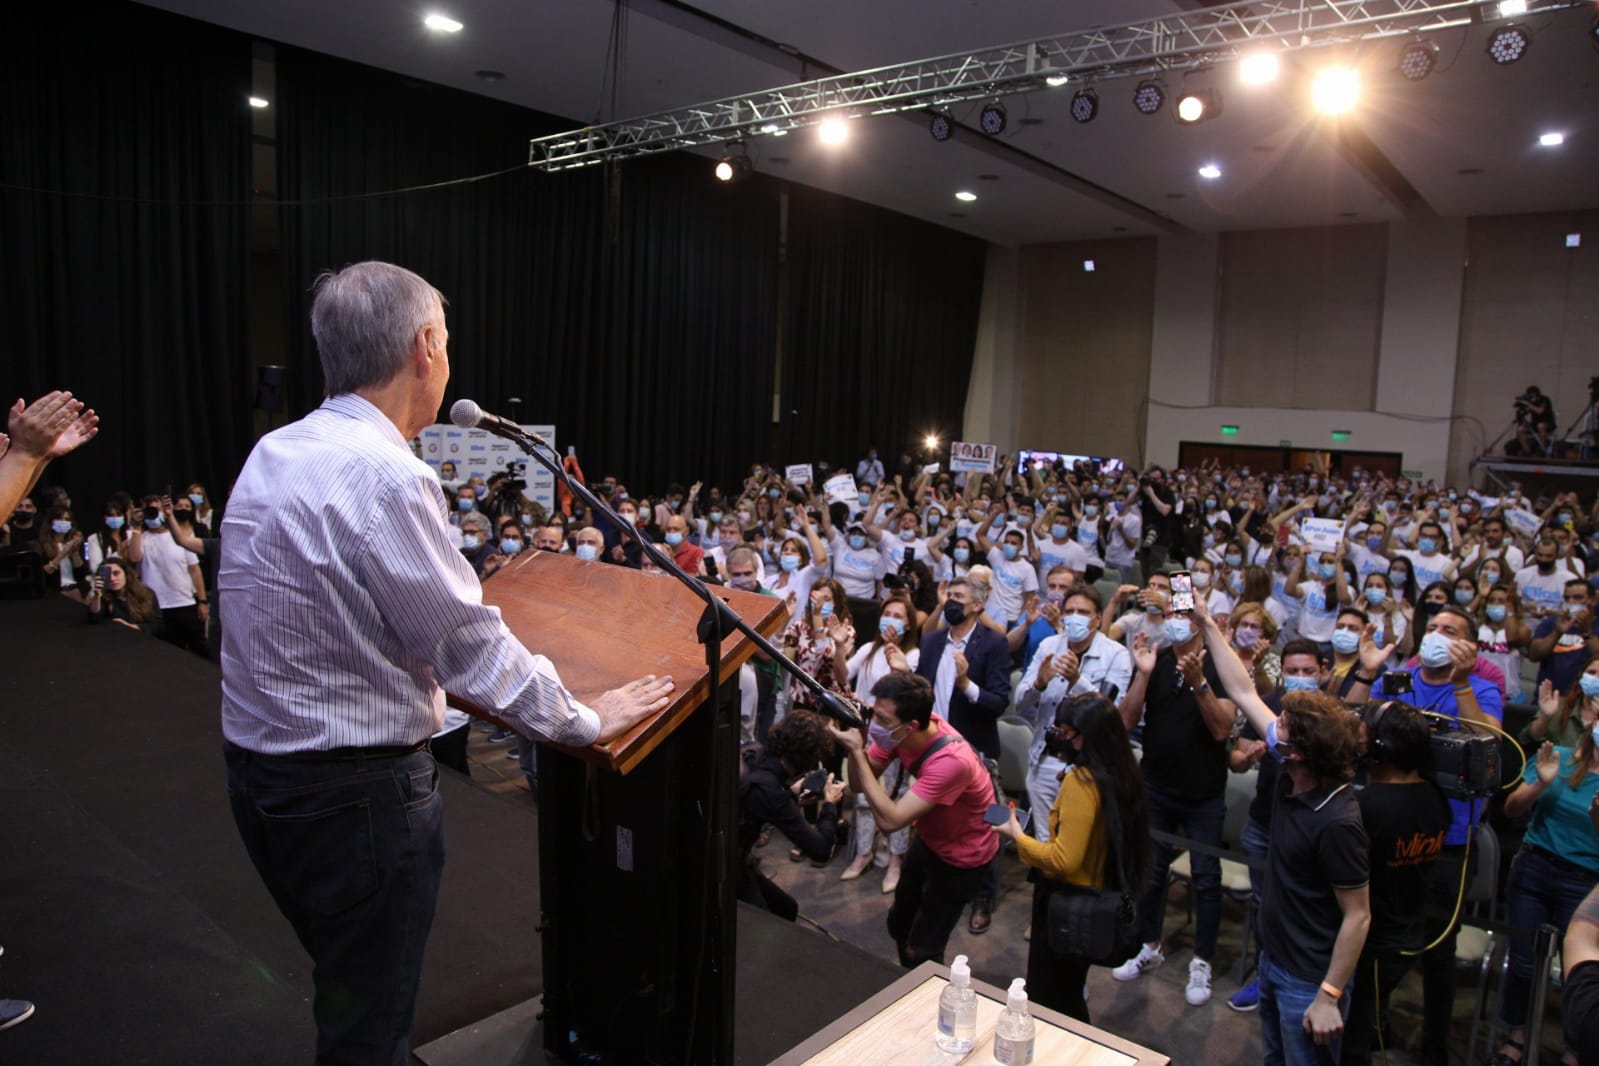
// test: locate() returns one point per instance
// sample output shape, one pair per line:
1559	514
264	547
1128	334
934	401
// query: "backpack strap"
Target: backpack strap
942	740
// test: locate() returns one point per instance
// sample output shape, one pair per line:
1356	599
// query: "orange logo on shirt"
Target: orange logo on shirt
1419	848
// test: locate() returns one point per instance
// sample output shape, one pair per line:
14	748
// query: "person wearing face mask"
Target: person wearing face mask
110	538
1254	633
801	562
1558	864
1562	642
1057	543
1495	544
1344	650
1124	531
66	564
1430	559
1146	617
550	538
869	471
1041	620
1078	659
589	544
1218	601
1320	597
1077	847
1501	636
1187	724
1015	574
507	546
25	526
856	561
173	574
948	862
894	648
822	638
475	542
1445	681
689	557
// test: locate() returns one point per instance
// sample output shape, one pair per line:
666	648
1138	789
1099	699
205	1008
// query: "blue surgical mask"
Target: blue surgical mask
1328	571
789	563
471	542
864	497
1490	576
674	539
1427	545
465	503
588	552
1299	684
1464	596
1091	510
1010	551
825	610
1178	630
482	491
154	523
907	535
1496	612
1345	641
1058	530
60	527
510	545
773	493
1434	651
1375	596
891	628
1236	583
1590	688
527	520
857	541
1234	560
1373	543
1210	505
716	518
1076	627
196	499
963	555
934	520
883	736
114	521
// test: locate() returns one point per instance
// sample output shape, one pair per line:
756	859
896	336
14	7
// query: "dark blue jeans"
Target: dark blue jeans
351	849
1199	820
928	903
1537	891
1284	999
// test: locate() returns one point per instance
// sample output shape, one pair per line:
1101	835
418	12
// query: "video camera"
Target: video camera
1465	763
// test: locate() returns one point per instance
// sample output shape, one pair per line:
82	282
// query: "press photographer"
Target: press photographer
775	792
1535	424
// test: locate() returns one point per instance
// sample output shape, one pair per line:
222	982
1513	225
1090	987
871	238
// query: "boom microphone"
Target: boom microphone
468	415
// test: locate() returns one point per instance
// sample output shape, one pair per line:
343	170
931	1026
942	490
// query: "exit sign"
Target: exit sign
1229	431
1342	434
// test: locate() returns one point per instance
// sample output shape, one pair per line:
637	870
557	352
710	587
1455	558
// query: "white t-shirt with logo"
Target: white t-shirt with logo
1429	568
1118	552
1319	611
1069	553
1542	594
893	551
1013	579
857	571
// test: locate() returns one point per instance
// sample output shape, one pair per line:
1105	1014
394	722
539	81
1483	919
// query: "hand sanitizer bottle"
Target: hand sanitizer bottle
957	1010
1013	1035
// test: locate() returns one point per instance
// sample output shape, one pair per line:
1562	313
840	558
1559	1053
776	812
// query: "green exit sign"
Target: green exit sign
1229	431
1342	434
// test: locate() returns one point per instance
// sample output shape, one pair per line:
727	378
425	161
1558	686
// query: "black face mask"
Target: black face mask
22	519
1546	568
185	516
954	613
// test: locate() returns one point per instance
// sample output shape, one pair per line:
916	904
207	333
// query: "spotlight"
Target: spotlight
258	102
1509	44
1210	171
1417	59
1149	97
1511	8
1085	105
1198	106
442	23
1552	139
1258	69
1336	90
734	167
965	197
991	119
941	126
832	131
1055	81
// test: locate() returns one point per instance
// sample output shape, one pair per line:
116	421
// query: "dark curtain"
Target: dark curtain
130	293
880	326
638	318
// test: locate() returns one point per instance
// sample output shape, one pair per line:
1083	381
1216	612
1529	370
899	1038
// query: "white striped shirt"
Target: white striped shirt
347	607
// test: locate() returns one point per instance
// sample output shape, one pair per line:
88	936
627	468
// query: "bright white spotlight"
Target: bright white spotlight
930	442
832	131
1336	90
1088	266
258	102
1552	140
1258	69
1055	81
442	23
1512	8
1210	171
965	197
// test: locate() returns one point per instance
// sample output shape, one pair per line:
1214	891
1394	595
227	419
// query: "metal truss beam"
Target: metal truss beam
1146	48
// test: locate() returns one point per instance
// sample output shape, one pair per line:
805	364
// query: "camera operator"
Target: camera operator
1406	817
505	499
772	793
1442	683
1535	424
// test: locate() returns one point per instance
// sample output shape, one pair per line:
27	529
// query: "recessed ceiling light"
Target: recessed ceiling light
965	196
1210	171
258	102
442	23
1552	140
832	131
1088	266
1573	240
1258	69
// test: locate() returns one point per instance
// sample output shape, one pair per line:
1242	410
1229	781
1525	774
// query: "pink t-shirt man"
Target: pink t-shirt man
955	781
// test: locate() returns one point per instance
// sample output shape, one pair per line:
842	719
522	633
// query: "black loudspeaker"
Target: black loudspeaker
21	574
269	389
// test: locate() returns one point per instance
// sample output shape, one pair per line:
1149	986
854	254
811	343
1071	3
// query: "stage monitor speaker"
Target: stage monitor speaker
269	389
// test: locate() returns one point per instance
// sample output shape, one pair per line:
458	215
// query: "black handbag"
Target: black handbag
1099	925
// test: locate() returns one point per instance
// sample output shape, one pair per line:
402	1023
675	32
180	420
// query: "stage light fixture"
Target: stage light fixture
1085	105
1210	171
1199	105
832	131
1508	44
1336	90
1552	139
1417	59
1512	8
733	167
258	103
965	196
774	130
1055	81
992	119
1149	97
442	23
1259	69
941	126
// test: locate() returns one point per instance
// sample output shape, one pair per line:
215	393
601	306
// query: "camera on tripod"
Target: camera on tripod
1465	763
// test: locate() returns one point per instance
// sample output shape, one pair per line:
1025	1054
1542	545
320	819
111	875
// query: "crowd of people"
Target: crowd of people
1316	655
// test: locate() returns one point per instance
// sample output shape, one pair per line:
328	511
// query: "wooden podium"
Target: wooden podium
637	843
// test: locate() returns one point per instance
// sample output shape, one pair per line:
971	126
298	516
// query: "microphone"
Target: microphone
468	415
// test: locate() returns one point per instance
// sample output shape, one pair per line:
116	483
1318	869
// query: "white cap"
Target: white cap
1016	998
960	973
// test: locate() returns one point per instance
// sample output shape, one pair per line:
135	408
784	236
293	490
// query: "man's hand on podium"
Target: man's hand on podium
623	708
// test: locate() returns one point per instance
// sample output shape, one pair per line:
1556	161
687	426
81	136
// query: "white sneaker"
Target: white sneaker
1198	983
1147	959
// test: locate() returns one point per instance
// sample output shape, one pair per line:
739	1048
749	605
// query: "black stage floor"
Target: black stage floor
132	917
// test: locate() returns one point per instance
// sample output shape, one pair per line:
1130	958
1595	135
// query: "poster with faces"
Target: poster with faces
969	457
478	453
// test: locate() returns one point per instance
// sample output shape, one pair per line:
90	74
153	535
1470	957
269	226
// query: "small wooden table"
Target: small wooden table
896	1026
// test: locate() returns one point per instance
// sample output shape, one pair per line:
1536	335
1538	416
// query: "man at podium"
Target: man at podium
348	612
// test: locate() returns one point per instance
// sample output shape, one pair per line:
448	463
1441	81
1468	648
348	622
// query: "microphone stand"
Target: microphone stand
718	615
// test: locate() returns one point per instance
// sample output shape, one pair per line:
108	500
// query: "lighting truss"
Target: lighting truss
1142	49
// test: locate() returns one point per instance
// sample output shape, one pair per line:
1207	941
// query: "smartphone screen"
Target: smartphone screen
999	814
1182	591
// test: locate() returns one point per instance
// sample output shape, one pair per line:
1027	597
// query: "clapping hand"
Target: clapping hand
1144	654
1048	670
896	658
1548	699
1192	666
1548	763
1372	655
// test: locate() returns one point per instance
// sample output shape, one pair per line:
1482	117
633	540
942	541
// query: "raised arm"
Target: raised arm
1235	676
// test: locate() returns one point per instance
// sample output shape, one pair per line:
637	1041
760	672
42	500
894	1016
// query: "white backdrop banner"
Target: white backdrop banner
478	452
